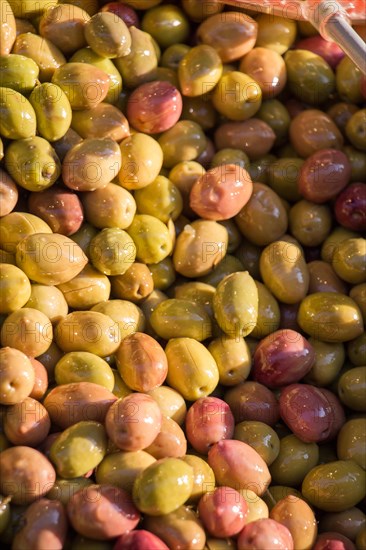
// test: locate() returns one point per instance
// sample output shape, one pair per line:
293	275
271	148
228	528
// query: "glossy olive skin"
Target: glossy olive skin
253	401
223	512
8	193
329	359
235	304
15	288
299	519
27	423
74	79
121	468
77	401
84	367
330	317
232	356
87	507
78	449
26	474
18	119
349	260
139	538
348	523
284	271
282	358
17	375
335	486
177	318
44	52
28	330
305	141
152	490
142	362
323	175
232	36
310	78
350	441
192	370
264	533
261	437
133	436
59	208
208	421
50	258
350	207
263	218
323	278
179	528
313	414
351	387
171	403
236	464
154	107
294	461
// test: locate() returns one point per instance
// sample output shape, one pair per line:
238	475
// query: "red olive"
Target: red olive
282	358
223	512
123	11
323	175
221	192
253	401
139	540
60	208
265	533
333	541
329	51
208	421
350	207
154	107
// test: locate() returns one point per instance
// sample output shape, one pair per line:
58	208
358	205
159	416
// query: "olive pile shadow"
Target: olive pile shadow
182	279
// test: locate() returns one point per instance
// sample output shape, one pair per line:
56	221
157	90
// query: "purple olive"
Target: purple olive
350	207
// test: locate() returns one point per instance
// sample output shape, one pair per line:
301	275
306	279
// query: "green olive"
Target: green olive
284	271
351	441
64	489
87	55
32	162
236	304
15	288
81	366
237	96
18	72
163	486
121	468
176	318
358	294
112	251
356	129
140	64
332	242
275	114
53	111
184	141
261	437
142	159
18	119
108	35
89	331
275	33
135	284
172	56
330	317
47	56
4	512
356	350
348	80
268	320
49	258
310	223
233	359
199	70
167	24
203	477
329	359
335	486
310	78
230	156
151	238
351	388
79	449
357	159
349	260
294	461
192	370
161	199
163	273
282	178
127	315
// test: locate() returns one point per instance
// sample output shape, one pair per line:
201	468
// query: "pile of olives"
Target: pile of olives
182	280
